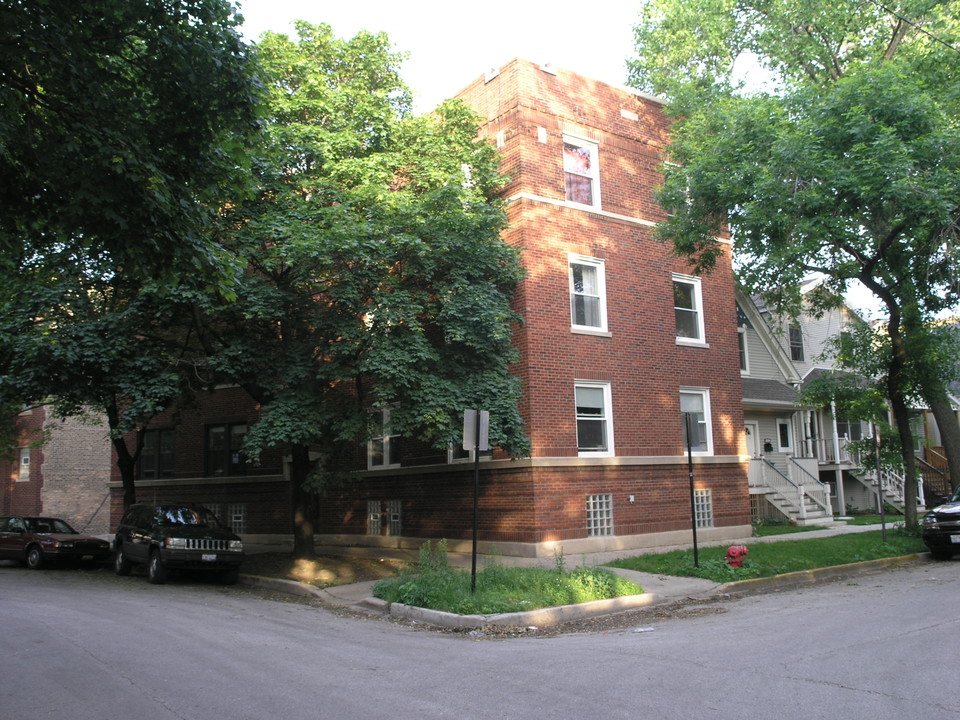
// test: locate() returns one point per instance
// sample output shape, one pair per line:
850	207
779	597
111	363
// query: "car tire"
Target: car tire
121	565
230	577
156	572
34	557
941	554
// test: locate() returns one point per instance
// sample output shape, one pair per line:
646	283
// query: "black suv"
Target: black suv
176	537
941	528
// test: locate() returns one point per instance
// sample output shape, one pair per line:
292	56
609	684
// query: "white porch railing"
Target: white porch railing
826	452
794	490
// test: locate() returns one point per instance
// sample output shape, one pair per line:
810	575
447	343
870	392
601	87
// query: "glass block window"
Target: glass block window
374	517
395	517
237	517
599	515
703	508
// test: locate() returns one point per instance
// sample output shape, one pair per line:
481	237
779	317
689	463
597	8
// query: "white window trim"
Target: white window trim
599	265
698	303
386	436
23	465
593	148
707	418
607	417
742	337
801	346
452	447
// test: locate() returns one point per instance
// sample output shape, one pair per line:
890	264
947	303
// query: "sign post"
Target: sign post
693	500
476	433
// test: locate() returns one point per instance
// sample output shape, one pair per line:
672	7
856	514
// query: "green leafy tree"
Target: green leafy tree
82	339
848	167
372	270
121	122
124	126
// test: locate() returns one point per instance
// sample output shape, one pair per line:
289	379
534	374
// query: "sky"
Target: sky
450	44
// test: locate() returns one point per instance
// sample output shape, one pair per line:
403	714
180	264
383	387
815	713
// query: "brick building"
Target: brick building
618	340
59	468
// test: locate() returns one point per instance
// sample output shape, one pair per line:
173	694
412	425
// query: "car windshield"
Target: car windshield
48	525
197	517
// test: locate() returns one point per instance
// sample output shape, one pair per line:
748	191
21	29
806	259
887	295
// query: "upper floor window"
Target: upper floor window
742	346
594	423
383	450
581	171
224	454
688	309
23	471
695	420
588	304
156	456
796	343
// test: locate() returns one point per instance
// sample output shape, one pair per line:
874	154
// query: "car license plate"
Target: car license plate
955	539
208	557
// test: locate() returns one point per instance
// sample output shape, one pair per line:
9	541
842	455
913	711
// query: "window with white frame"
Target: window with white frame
594	422
599	515
784	435
23	469
588	303
383	450
581	171
703	508
688	309
796	343
742	346
695	420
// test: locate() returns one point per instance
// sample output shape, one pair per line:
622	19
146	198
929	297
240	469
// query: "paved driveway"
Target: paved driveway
82	644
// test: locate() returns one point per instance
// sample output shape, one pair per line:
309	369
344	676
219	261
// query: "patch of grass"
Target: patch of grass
874	519
435	585
769	559
765	529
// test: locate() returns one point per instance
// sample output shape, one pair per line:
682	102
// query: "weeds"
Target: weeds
434	584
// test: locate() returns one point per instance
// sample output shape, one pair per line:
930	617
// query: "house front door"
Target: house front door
753	442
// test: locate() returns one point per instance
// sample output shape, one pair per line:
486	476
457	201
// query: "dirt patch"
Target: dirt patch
323	571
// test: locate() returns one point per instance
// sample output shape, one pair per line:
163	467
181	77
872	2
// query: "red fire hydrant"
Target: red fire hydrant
736	554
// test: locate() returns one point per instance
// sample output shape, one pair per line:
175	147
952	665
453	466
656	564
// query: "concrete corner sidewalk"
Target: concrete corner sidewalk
659	589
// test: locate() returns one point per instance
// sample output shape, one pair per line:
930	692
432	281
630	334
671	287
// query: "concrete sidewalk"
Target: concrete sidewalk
659	588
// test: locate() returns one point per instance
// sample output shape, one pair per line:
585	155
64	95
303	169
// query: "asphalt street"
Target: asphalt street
89	645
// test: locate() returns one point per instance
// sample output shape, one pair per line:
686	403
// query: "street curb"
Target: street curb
546	617
542	617
789	581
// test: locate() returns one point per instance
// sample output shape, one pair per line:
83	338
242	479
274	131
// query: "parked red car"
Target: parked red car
35	541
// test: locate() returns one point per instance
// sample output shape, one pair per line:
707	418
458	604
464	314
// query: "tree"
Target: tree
124	126
372	274
121	123
848	168
81	338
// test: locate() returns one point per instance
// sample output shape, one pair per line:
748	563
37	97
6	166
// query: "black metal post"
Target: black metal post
476	500
693	502
883	504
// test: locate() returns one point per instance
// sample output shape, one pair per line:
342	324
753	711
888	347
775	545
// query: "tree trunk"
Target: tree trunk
949	428
300	503
126	461
896	382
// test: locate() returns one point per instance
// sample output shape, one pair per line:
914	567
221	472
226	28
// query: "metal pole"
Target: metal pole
476	502
693	503
883	505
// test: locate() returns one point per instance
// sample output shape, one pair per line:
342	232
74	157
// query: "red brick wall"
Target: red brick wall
24	497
